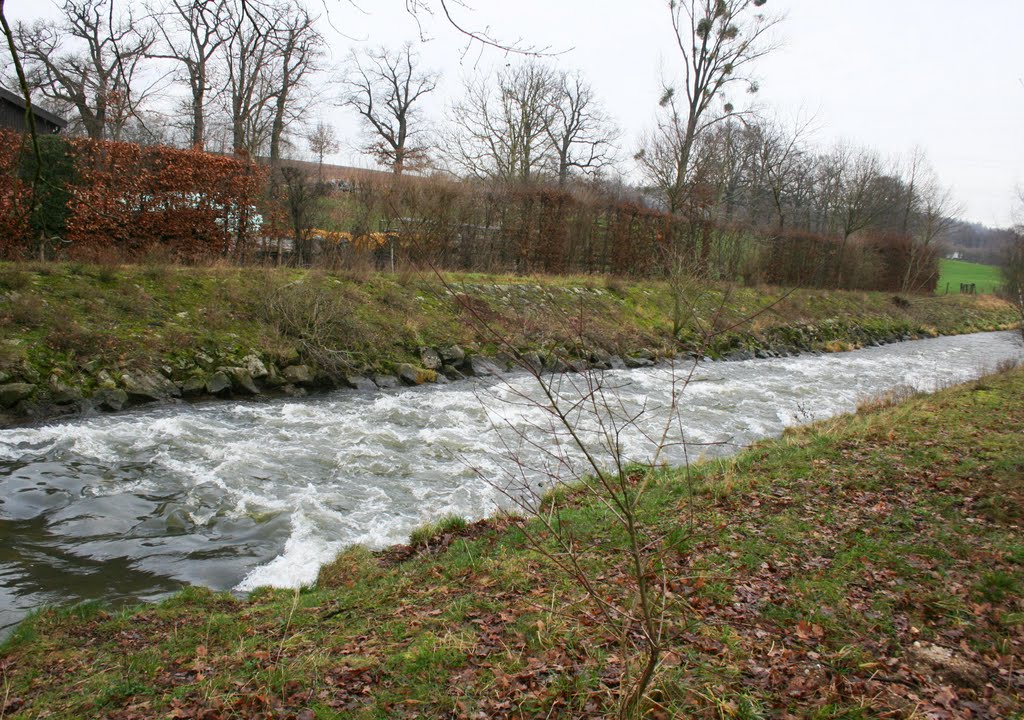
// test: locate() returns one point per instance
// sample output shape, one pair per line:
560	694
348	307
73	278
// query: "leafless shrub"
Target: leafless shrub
24	310
318	320
577	427
14	279
73	338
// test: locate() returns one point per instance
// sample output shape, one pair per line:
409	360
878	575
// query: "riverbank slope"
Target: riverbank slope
865	566
81	338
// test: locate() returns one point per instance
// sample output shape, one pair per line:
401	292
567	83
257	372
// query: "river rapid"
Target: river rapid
235	495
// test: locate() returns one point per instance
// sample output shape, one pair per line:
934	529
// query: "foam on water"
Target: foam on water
238	495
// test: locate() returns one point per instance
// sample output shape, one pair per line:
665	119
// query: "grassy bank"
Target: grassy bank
870	566
126	334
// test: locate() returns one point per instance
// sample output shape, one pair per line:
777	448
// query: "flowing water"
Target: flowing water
234	495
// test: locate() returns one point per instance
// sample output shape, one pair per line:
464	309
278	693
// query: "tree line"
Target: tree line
247	75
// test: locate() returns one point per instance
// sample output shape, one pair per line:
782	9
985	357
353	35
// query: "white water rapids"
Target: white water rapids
242	494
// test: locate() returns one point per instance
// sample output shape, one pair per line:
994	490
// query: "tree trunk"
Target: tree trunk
198	117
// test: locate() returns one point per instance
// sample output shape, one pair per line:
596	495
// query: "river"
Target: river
234	495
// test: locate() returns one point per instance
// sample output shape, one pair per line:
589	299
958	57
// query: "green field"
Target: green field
987	278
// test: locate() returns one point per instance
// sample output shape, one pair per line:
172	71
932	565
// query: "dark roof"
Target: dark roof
44	114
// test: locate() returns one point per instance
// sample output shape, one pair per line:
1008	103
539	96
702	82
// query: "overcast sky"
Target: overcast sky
889	74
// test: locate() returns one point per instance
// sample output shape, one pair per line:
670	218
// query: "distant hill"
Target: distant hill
977	243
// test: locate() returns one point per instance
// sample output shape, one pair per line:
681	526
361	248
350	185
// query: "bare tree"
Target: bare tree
499	128
580	131
484	37
322	141
1012	262
300	196
719	40
386	88
90	60
190	37
779	155
858	204
728	152
247	91
1013	276
297	47
929	212
664	157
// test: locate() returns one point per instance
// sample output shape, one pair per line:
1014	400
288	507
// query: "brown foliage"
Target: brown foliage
902	259
13	193
524	229
129	199
879	261
135	198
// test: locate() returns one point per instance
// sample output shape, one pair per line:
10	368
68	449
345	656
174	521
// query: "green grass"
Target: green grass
987	278
820	568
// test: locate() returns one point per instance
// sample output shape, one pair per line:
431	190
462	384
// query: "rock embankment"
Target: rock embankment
263	375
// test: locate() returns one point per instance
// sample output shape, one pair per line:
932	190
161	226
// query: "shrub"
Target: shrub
97	195
318	321
24	310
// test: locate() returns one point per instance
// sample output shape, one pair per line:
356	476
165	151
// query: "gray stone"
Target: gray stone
294	391
739	355
385	382
637	362
205	361
358	382
112	399
440	379
255	367
29	374
13	393
62	394
241	380
411	375
218	383
647	355
298	374
195	385
286	357
452	374
505	361
616	363
452	355
533	361
430	359
274	378
148	386
760	354
482	367
600	356
555	364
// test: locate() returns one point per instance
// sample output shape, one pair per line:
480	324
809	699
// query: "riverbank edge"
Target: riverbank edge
934	550
82	340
